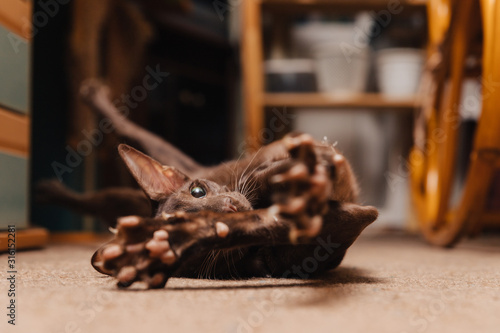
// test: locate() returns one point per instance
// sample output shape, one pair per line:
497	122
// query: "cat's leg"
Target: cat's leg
344	186
302	191
107	204
342	180
254	176
97	96
299	205
342	225
301	185
153	250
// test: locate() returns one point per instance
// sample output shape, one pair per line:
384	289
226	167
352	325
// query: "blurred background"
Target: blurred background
228	76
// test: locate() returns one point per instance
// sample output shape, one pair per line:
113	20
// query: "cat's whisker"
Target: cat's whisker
201	272
225	255
249	178
333	146
214	263
234	179
245	185
211	264
251	194
234	171
250	163
251	186
207	264
253	183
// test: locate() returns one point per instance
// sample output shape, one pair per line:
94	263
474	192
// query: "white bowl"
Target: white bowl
337	72
399	71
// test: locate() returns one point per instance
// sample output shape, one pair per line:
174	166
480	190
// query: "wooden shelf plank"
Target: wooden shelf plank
291	5
341	2
25	239
324	100
336	2
14	132
16	16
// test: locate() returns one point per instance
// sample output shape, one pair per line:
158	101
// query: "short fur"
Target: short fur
262	215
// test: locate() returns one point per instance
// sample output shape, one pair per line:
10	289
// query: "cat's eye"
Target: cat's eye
198	192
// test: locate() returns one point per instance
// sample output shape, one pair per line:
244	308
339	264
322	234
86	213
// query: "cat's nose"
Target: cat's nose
228	206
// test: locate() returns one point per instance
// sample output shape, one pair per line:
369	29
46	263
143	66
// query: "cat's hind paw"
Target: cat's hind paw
51	191
303	189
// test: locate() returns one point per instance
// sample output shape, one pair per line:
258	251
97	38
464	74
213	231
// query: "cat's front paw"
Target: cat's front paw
304	188
140	252
152	249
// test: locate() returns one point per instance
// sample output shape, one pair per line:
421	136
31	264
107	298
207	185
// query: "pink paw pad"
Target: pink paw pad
221	229
157	247
127	274
160	234
134	248
112	252
129	221
157	281
168	257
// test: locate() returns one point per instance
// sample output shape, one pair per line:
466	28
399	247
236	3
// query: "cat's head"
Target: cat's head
174	191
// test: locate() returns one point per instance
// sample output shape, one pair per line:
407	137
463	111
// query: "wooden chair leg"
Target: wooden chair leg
423	159
432	189
486	154
449	117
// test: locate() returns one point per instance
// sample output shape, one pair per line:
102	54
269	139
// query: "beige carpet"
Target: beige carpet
387	283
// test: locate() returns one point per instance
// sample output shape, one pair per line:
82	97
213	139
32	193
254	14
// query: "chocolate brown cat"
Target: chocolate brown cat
287	210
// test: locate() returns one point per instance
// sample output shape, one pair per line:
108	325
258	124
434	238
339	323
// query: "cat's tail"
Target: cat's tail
96	95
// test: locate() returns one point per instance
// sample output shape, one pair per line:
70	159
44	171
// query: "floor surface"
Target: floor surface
387	283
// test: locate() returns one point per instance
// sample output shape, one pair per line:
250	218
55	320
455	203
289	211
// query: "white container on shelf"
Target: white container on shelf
399	71
340	50
341	72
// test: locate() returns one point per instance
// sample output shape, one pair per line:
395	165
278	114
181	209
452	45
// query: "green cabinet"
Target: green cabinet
15	68
13	191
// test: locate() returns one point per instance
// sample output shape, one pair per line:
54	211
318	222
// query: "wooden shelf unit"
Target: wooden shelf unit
324	100
252	57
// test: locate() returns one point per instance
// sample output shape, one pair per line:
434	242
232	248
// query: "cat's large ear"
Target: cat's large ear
158	181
